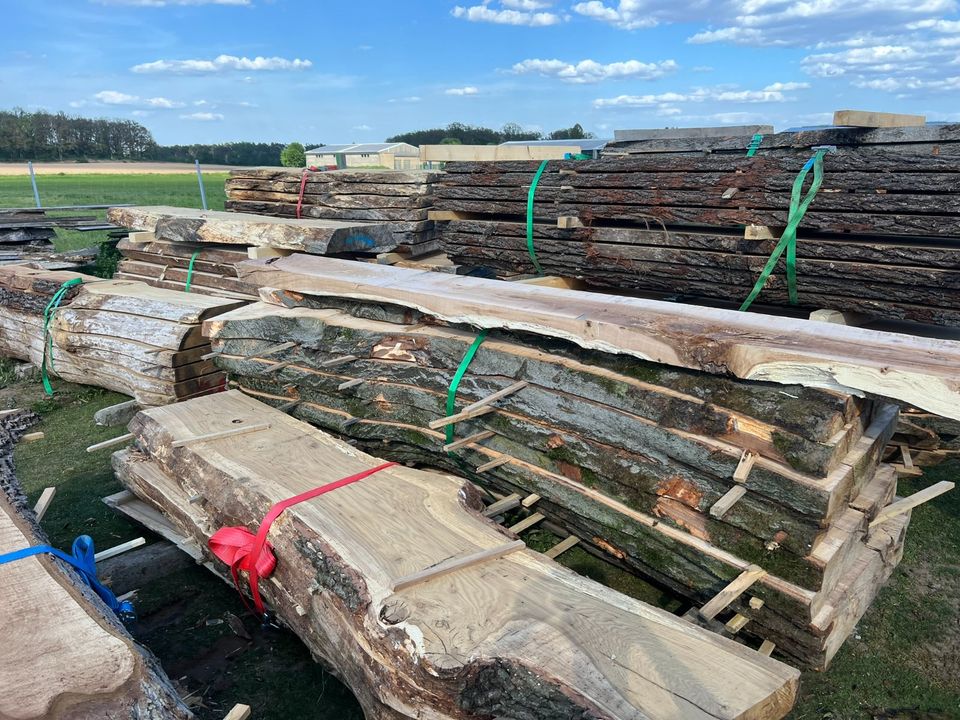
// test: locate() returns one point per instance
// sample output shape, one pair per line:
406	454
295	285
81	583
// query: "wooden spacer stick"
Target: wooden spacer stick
108	443
239	711
475	438
747	459
731	592
509	502
32	437
907	458
351	383
278	366
118	549
454	564
478	408
737	623
901	506
562	546
530	500
496	462
333	362
526	523
731	498
43	502
270	350
766	648
229	432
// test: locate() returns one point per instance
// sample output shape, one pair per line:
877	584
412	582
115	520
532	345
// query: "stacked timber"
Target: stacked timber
121	335
24	232
420	604
401	197
879	238
197	250
687	477
65	654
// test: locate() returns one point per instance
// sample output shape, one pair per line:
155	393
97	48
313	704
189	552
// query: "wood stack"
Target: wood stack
26	234
689	478
419	603
401	197
124	336
169	238
66	655
880	237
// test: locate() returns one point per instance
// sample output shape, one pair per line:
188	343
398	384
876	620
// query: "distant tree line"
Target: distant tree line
461	134
45	136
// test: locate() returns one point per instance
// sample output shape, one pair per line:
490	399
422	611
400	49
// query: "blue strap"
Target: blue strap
83	562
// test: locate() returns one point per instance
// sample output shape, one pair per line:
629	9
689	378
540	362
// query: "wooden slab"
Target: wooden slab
863	118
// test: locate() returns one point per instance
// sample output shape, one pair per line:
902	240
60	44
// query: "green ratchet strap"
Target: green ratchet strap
530	194
788	241
754	145
455	383
193	259
48	313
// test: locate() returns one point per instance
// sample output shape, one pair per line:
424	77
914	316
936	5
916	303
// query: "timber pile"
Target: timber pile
401	197
881	237
65	655
26	234
419	603
124	336
638	459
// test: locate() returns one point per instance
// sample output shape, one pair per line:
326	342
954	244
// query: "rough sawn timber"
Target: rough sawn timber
922	371
451	646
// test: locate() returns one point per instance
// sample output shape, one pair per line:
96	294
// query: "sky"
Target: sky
362	70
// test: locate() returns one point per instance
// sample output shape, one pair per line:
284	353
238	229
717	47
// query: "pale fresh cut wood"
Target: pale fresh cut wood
732	591
866	118
907	503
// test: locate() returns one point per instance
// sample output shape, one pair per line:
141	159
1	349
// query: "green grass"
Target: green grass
138	189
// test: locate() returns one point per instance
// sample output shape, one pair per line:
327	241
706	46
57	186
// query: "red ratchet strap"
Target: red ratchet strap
242	550
303	186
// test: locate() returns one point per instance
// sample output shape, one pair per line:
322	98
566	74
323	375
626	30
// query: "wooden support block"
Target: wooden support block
454	564
509	502
43	502
496	462
907	458
351	383
127	437
391	258
229	432
273	349
904	471
737	623
722	506
277	367
441	215
239	712
907	503
562	546
334	362
288	406
141	237
756	603
742	473
32	437
258	253
766	648
865	118
569	222
761	232
527	523
118	549
478	408
731	592
475	438
530	500
115	415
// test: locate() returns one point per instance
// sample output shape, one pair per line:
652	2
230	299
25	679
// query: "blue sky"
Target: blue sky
277	70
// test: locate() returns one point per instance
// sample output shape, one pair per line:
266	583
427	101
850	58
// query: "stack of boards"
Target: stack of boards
688	477
27	234
419	603
66	655
197	250
121	335
881	237
401	197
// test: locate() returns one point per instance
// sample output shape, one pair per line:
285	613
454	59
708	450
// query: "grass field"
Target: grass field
902	663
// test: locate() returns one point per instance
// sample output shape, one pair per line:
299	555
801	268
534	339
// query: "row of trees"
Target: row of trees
461	134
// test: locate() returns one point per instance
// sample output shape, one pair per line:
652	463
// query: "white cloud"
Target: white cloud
407	99
362	127
164	3
221	63
721	94
468	90
509	15
786	86
590	71
112	97
627	14
876	59
141	113
162	102
202	116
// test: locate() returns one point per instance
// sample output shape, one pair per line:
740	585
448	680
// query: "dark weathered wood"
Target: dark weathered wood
289	209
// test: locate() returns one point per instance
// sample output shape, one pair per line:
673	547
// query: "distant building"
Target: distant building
395	156
590	147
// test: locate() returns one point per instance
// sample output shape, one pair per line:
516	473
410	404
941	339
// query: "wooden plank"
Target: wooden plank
480	407
864	118
491	153
527	523
921	371
238	712
220	434
120	440
731	592
454	564
722	506
43	502
475	438
119	549
562	546
502	505
903	505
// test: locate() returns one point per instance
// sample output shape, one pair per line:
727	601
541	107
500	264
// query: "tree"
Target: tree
451	141
571	133
293	155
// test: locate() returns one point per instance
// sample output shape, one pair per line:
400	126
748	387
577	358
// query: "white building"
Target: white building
394	156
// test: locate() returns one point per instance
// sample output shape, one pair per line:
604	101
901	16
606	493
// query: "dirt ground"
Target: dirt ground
109	168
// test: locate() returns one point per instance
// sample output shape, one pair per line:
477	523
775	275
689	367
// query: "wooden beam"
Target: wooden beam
43	502
478	408
475	438
32	437
731	592
502	505
747	459
562	546
864	118
454	564
922	371
527	523
125	438
496	462
907	503
219	434
737	623
722	506
238	712
118	549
